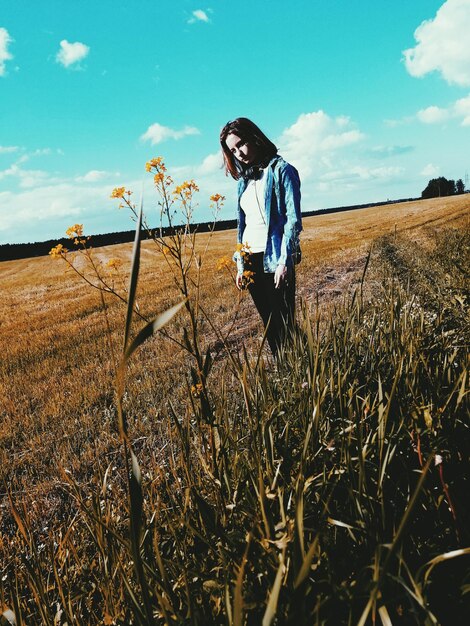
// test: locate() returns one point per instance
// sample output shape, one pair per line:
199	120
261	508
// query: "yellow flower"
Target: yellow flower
243	248
114	264
248	277
217	198
196	390
222	263
74	231
186	189
158	178
118	192
58	251
156	163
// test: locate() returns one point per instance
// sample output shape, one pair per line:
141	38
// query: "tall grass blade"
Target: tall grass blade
385	616
7	618
376	588
307	562
134	274
271	608
149	329
238	591
444	557
136	513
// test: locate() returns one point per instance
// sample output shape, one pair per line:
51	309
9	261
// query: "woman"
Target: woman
269	223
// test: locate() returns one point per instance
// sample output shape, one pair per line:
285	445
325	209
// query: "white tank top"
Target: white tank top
252	204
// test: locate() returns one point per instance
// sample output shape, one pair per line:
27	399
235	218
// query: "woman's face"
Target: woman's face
244	151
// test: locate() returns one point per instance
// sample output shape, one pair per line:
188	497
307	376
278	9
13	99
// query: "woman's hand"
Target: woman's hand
280	275
239	281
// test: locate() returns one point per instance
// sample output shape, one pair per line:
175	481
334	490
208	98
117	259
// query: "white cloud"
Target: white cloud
360	179
313	137
5	56
71	53
338	168
459	110
35	153
46	210
41	152
156	133
94	176
26	178
198	16
401	122
382	173
342	120
443	44
8	149
462	109
211	163
33	205
432	115
430	170
362	172
40	205
210	178
390	151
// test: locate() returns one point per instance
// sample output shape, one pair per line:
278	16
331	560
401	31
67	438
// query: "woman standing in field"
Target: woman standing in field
269	223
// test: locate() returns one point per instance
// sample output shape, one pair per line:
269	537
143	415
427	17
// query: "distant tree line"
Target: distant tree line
438	187
12	251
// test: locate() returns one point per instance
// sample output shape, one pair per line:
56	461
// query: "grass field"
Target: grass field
60	447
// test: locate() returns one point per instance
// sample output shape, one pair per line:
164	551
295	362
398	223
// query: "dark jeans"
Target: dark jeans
276	306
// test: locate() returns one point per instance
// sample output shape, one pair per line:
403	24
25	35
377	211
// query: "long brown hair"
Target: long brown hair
248	131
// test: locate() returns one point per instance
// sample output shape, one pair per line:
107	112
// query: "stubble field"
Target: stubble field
58	348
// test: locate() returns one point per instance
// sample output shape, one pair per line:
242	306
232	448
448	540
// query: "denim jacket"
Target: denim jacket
283	215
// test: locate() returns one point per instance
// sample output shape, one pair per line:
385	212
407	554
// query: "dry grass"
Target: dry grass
56	373
56	377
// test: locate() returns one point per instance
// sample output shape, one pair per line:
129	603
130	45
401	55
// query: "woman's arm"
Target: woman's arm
237	257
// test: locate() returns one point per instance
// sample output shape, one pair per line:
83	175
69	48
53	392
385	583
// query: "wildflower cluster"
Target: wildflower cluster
217	202
96	273
114	264
58	251
186	189
243	249
248	277
196	390
74	231
155	164
223	263
118	192
217	198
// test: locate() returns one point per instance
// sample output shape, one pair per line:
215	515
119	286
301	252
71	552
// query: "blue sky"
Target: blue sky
368	99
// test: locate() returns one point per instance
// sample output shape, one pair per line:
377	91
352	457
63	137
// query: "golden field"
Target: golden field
56	376
60	344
